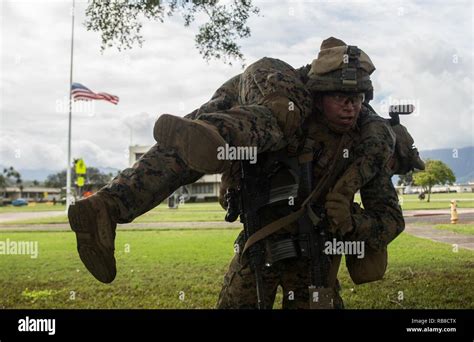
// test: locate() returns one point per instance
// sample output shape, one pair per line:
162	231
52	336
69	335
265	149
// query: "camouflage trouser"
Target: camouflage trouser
154	177
239	291
159	172
251	125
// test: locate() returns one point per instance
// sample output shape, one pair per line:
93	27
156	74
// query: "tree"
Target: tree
11	177
7	176
118	22
57	180
3	182
406	179
93	176
436	172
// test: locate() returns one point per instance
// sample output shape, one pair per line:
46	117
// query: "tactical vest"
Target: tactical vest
289	183
291	178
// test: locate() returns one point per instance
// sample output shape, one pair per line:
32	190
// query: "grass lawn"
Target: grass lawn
434	205
152	216
467	229
160	264
33	207
438	201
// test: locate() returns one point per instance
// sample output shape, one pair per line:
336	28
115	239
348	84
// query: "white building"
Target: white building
135	152
469	187
205	189
31	194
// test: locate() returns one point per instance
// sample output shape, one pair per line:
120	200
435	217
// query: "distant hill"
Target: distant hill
462	166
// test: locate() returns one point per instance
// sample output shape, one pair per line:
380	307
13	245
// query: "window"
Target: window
203	188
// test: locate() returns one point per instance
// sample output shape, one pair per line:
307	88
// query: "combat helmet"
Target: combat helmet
341	67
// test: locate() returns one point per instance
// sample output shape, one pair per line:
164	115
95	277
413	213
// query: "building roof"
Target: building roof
33	189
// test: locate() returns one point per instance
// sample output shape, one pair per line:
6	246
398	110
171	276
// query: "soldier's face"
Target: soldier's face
342	110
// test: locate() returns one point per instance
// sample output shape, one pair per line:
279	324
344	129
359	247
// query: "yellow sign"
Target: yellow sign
45	195
80	181
80	167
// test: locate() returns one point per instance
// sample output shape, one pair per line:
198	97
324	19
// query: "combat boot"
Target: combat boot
195	141
92	219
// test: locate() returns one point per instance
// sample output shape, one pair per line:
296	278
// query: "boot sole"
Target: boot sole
98	259
183	136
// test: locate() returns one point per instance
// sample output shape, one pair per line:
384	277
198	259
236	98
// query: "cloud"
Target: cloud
423	52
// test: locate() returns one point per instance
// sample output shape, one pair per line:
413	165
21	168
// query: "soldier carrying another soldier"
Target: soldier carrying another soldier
318	142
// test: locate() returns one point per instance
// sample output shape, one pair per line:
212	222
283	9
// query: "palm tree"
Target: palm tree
12	173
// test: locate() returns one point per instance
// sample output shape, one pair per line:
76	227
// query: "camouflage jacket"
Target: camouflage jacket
381	220
270	82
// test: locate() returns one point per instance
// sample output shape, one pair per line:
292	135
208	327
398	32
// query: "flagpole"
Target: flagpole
68	169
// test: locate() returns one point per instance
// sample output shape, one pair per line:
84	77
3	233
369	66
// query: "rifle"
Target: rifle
312	237
253	197
313	230
313	227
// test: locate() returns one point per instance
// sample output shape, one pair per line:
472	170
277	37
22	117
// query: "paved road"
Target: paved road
446	236
437	216
7	217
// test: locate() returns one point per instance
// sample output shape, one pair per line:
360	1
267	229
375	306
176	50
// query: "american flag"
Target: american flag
80	92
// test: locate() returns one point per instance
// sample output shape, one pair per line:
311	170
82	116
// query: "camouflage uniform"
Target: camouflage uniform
239	109
377	225
263	107
154	177
264	82
239	289
372	147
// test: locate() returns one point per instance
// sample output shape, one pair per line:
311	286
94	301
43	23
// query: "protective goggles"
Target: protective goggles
342	98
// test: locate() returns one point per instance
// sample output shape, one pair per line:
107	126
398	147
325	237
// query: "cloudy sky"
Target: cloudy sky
423	51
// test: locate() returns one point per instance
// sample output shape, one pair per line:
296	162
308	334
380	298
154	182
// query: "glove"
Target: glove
338	208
